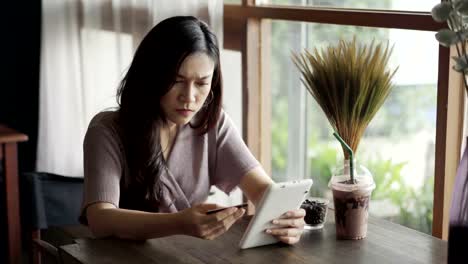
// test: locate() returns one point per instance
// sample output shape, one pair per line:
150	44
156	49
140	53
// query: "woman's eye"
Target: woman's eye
203	84
179	81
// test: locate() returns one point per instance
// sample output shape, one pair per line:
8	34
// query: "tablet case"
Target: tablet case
277	200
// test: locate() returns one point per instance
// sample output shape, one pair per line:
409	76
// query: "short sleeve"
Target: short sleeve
102	168
233	158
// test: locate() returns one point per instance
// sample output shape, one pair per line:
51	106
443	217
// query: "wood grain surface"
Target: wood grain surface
385	243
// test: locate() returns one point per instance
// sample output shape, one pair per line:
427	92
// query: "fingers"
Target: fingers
208	206
284	232
294	214
215	233
223	225
228	221
294	218
231	219
289	227
295	222
218	230
286	235
219	216
212	225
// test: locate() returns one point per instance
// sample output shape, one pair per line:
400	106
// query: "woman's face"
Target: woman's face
191	89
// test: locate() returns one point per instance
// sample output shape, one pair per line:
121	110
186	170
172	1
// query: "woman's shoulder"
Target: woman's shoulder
105	122
220	122
224	121
107	119
103	128
225	126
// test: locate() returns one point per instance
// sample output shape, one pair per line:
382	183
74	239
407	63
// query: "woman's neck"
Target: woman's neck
169	128
167	137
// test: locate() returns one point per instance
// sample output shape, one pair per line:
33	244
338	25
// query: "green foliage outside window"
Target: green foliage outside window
230	2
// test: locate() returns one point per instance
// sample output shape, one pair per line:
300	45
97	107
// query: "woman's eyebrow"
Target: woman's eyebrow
184	77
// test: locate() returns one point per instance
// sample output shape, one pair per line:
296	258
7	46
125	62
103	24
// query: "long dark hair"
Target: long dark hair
150	76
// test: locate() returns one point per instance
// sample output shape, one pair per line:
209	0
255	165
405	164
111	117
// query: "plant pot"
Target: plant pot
351	201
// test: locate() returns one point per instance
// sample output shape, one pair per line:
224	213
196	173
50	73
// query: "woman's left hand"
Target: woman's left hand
289	227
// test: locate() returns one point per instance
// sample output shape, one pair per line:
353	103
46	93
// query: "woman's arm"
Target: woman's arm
255	183
106	220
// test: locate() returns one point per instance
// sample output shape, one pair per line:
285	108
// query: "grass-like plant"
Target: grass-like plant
350	82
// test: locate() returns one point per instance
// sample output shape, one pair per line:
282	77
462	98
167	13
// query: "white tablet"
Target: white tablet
277	200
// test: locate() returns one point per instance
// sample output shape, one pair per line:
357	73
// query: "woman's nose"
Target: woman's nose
188	93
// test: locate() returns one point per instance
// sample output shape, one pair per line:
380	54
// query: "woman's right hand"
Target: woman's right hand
195	221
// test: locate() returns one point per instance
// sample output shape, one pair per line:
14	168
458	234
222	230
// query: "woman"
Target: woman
149	166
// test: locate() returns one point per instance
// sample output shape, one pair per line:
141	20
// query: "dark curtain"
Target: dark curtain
19	85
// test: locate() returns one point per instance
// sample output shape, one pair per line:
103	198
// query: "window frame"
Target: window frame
243	31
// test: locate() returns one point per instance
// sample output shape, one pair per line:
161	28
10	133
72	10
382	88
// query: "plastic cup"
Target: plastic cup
351	213
351	203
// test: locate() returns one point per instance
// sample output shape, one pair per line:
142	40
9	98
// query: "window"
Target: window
421	5
399	145
406	144
101	45
232	2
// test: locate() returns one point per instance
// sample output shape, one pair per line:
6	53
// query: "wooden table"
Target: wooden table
9	161
386	243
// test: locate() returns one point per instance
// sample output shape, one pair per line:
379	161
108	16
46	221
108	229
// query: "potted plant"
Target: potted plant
350	82
455	14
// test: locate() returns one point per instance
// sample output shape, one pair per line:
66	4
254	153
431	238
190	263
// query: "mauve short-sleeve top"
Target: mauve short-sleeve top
219	157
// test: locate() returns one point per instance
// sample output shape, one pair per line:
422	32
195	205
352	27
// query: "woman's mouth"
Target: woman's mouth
184	112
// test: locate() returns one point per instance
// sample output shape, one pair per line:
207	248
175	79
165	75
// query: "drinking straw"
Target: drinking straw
351	155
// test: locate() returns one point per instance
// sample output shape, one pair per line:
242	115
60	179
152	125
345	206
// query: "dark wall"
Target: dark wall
20	27
19	85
